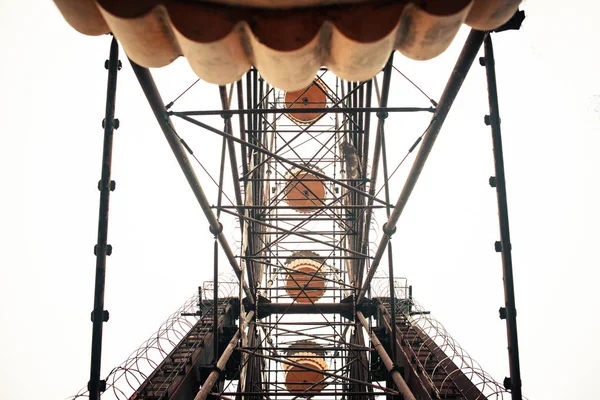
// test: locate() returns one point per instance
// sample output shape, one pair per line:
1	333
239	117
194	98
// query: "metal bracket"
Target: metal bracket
217	231
104	316
108	250
502	312
111	185
258	313
368	307
498	246
107	64
388	231
101	386
115	123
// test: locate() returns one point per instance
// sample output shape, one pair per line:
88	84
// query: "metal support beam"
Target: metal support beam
216	299
359	370
156	103
514	384
278	157
390	247
307	110
99	315
387	361
232	156
242	126
305	367
463	64
381	117
266	309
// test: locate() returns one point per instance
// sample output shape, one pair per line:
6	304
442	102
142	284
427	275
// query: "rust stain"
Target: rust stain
287	40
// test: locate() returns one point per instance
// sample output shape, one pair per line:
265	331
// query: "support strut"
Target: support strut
230	145
216	300
463	64
510	311
387	361
102	249
277	157
306	110
149	87
222	362
381	117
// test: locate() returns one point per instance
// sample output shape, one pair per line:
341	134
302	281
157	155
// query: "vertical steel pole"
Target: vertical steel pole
381	116
216	301
102	249
389	249
242	125
510	311
232	155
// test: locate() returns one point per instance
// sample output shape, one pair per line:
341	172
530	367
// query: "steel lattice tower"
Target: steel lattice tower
310	310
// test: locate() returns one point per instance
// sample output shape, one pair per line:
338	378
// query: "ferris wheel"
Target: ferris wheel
303	302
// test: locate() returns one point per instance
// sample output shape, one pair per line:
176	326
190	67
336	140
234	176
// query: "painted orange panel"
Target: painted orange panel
287	40
304	190
315	96
146	39
309	278
83	15
301	379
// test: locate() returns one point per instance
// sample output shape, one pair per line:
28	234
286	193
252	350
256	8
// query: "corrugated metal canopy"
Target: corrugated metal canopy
287	40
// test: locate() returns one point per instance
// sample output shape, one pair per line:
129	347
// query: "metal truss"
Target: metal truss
299	173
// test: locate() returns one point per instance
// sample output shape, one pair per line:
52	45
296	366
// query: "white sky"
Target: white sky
53	86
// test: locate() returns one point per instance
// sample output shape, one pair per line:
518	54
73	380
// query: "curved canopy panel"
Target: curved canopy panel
287	40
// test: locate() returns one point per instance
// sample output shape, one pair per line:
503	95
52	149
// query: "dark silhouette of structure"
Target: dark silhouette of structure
309	311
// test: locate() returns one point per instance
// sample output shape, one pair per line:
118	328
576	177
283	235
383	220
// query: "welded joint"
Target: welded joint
216	231
382	114
386	229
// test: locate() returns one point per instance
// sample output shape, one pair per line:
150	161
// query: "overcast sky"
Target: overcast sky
53	86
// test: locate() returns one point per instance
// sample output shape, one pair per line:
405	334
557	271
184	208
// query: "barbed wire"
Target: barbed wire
431	333
123	380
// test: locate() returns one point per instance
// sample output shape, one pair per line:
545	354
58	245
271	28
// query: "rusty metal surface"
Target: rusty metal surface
223	39
435	362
